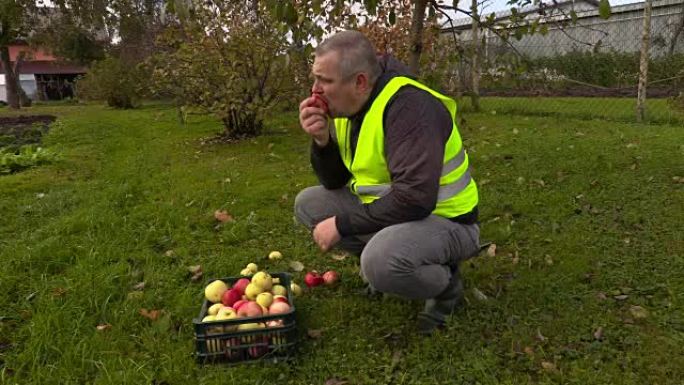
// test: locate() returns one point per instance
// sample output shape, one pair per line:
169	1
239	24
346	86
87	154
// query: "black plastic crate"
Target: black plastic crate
220	341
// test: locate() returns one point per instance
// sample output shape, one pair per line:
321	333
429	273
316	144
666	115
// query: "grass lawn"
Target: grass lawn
585	288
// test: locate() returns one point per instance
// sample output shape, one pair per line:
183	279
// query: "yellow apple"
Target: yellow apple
214	309
275	255
214	290
253	267
246	272
279	290
263	280
264	299
296	289
252	290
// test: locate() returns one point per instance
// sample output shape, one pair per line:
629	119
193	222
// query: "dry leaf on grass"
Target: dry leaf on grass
169	253
103	327
59	292
598	334
140	286
540	337
335	381
314	333
638	312
152	315
528	350
549	366
194	269
223	216
491	250
339	257
480	296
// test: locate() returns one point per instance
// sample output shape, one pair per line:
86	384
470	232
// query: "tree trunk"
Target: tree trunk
643	67
677	32
11	79
417	36
475	58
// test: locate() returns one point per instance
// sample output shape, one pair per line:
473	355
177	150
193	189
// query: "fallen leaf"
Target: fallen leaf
548	259
601	295
339	257
549	366
194	269
103	327
516	258
480	296
139	286
528	350
314	333
540	337
621	297
197	276
223	216
638	312
335	381
598	333
296	266
135	295
491	250
152	315
59	292
169	253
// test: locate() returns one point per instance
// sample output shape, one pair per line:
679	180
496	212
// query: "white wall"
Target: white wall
28	83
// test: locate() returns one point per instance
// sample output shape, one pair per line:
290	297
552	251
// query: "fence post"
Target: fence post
643	66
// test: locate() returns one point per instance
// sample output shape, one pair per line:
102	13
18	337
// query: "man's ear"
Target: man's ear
362	83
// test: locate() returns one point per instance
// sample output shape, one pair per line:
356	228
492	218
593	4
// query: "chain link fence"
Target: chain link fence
573	62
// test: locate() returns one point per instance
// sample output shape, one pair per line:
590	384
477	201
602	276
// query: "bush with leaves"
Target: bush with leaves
227	59
113	81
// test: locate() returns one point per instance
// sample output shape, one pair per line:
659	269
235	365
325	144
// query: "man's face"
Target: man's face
342	94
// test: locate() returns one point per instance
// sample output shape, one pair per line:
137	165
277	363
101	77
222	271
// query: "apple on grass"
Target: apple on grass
275	255
253	267
313	278
296	289
330	277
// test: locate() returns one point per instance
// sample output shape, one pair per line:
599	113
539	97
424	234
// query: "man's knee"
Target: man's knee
383	265
306	204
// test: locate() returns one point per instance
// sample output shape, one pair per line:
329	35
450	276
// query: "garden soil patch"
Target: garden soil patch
24	129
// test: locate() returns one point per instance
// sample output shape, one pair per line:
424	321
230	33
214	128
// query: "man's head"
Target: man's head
345	69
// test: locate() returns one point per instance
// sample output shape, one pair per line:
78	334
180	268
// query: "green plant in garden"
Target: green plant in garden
27	156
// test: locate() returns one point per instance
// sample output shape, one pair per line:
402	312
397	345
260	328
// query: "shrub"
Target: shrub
113	81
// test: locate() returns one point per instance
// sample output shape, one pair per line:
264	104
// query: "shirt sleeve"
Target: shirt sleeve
417	126
328	165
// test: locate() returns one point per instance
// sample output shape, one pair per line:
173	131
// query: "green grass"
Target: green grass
658	111
589	208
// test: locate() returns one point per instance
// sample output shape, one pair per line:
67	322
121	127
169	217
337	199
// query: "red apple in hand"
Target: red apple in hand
313	278
330	277
320	103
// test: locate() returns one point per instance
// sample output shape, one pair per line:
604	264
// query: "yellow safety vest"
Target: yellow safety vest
370	176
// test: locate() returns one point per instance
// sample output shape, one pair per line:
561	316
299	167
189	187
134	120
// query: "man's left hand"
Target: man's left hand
325	234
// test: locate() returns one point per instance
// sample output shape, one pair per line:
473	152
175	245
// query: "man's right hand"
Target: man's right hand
314	121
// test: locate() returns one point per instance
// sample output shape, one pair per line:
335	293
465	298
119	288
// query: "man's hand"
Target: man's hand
325	234
314	121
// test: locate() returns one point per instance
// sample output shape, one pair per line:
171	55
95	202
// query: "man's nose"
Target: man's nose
316	88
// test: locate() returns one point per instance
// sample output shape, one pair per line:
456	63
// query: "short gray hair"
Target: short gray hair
356	54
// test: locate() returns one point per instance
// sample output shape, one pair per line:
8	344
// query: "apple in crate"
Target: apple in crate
250	309
240	285
214	291
259	342
230	296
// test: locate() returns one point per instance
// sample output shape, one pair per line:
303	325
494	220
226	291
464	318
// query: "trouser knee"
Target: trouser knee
305	205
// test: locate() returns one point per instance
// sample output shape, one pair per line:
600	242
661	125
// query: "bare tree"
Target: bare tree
678	31
417	35
643	67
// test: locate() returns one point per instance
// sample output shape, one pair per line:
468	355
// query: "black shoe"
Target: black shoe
437	309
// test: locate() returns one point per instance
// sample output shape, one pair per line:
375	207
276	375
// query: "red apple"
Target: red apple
320	102
330	277
241	284
250	309
230	297
280	298
278	308
313	278
239	304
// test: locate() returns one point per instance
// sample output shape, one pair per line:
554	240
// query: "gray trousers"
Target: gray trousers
414	260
